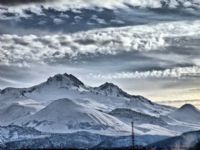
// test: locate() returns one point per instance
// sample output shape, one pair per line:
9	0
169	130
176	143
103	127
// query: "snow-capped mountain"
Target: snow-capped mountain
147	46
63	104
105	97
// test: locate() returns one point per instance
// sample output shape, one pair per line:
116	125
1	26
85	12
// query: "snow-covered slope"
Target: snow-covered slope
15	111
66	116
129	115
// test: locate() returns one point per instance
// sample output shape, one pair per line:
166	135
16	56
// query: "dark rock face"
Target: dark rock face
76	81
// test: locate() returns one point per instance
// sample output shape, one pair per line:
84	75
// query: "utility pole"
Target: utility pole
133	136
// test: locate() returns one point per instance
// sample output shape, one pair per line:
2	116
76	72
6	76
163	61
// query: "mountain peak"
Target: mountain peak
66	79
108	85
187	107
110	89
186	113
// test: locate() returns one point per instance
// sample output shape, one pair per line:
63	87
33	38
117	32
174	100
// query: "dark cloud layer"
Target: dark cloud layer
14	2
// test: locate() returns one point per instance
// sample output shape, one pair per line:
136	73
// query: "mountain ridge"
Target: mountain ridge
64	104
67	80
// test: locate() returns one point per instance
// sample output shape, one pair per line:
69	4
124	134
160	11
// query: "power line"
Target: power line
133	136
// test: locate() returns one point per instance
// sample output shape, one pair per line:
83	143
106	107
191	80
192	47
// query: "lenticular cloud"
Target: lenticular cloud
177	72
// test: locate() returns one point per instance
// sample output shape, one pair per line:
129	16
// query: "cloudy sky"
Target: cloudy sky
148	47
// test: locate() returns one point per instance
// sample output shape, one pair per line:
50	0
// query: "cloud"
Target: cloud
11	2
5	81
58	21
20	11
67	4
177	72
13	76
24	50
179	101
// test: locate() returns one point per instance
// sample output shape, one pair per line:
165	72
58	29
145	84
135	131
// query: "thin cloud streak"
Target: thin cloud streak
179	101
177	72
